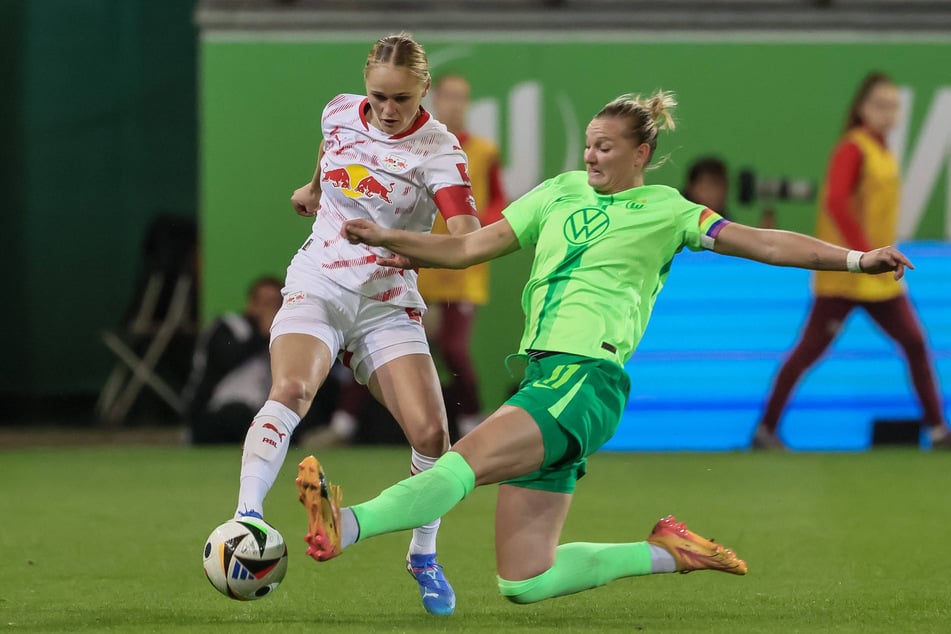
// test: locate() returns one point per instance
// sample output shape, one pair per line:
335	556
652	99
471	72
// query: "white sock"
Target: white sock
265	448
661	560
349	528
344	423
938	432
424	537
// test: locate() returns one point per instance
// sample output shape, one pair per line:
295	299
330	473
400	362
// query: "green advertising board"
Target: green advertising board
773	105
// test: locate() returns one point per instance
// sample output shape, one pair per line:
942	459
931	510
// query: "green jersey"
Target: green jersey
600	261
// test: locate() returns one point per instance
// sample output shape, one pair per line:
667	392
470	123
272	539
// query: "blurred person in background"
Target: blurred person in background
452	296
382	157
603	244
708	183
231	372
859	209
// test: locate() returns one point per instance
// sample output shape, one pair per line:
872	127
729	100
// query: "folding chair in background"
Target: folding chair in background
163	309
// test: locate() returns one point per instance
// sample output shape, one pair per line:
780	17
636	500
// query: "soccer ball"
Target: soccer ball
245	559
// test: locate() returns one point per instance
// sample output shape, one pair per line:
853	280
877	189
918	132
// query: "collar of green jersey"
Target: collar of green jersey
633	193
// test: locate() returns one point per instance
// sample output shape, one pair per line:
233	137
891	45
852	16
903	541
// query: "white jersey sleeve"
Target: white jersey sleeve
391	180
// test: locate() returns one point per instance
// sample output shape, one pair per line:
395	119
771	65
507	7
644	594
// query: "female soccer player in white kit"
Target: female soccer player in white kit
383	158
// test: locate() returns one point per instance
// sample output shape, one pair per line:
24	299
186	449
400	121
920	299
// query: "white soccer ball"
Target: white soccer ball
245	559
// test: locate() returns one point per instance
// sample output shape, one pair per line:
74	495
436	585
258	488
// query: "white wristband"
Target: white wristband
853	261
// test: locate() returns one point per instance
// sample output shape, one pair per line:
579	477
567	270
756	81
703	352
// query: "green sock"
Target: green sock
417	500
580	566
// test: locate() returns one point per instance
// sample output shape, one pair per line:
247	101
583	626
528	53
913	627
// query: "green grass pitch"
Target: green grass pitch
111	540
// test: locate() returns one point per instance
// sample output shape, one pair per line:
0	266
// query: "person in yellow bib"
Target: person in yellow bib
453	296
859	210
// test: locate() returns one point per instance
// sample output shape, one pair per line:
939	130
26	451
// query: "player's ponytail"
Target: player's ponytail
646	116
660	106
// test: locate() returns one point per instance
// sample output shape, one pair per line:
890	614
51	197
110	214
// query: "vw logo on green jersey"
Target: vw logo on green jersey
585	225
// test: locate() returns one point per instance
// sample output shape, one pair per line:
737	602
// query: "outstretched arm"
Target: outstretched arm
787	248
435	251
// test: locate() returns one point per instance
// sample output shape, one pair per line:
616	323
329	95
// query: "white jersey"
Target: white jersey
366	173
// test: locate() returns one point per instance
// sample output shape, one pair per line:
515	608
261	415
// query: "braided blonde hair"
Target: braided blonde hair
399	49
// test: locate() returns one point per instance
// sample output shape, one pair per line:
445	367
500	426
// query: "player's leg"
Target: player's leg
823	325
421	499
507	445
575	407
409	388
299	365
897	318
528	526
391	355
304	342
455	337
533	567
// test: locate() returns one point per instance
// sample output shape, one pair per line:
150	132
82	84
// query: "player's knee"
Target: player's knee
430	438
293	392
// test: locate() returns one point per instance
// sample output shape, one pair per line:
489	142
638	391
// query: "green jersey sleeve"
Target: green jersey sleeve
525	215
700	226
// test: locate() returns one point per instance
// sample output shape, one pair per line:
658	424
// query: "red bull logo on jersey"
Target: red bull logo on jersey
338	178
355	181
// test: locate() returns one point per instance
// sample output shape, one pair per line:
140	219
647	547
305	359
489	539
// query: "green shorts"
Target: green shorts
577	404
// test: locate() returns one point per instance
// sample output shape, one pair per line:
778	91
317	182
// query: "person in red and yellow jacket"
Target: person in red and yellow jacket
452	296
859	210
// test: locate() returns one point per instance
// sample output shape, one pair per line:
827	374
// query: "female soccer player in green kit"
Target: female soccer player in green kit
604	242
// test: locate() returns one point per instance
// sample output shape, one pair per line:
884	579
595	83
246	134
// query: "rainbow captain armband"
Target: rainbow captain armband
711	223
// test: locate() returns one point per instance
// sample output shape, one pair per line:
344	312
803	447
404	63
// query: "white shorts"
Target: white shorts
365	332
